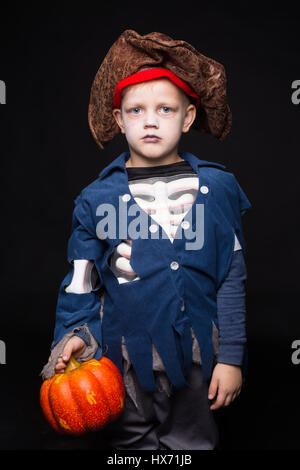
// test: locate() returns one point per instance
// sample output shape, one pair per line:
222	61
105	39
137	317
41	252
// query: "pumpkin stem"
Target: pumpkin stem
72	365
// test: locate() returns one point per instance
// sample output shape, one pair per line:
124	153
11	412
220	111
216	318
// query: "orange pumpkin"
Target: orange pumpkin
86	397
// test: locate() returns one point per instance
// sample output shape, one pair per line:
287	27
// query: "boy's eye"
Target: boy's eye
165	110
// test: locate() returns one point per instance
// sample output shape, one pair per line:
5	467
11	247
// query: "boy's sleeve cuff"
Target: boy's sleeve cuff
232	354
82	333
49	369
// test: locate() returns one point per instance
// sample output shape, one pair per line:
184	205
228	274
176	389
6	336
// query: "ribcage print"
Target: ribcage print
167	200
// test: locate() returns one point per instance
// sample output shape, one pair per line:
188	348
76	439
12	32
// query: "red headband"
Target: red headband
151	74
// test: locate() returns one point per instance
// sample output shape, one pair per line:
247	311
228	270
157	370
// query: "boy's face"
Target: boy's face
154	108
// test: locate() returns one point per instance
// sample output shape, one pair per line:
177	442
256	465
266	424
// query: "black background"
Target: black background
48	60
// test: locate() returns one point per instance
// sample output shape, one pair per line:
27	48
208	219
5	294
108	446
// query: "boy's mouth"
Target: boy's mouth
151	138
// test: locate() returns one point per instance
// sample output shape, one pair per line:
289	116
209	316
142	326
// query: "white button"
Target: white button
185	224
174	265
126	197
182	306
204	189
153	228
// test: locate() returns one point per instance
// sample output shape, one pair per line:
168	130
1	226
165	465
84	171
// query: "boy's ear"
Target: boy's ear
118	117
190	116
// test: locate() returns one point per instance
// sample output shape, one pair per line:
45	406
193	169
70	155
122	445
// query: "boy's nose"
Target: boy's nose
150	120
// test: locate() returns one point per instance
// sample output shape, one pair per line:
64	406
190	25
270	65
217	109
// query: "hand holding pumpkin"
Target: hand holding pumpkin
74	347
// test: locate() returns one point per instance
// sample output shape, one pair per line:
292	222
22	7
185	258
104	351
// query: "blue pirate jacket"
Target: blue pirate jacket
177	282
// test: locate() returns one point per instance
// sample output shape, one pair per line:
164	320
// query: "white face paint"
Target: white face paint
156	107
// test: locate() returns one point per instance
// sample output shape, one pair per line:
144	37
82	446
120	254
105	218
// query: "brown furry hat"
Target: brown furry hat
132	52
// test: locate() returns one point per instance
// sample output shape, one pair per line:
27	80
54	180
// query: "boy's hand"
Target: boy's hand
225	385
75	346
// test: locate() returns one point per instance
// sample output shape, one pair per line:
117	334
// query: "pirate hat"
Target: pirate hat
131	53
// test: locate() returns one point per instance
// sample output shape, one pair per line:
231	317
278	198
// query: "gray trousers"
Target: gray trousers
182	421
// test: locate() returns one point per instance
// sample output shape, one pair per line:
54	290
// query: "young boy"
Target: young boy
169	282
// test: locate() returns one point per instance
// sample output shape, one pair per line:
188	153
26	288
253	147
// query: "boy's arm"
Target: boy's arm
231	308
226	380
231	295
78	309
